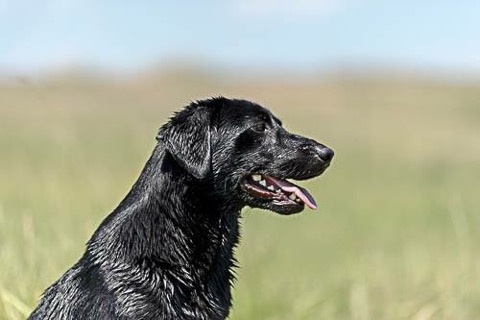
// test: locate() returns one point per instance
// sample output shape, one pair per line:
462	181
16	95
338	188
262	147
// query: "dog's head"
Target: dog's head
245	152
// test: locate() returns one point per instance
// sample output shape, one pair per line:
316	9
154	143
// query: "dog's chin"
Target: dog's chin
283	208
280	207
275	194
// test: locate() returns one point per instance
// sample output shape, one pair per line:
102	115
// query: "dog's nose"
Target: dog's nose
324	153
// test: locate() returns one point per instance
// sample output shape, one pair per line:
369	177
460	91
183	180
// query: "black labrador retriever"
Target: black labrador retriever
166	252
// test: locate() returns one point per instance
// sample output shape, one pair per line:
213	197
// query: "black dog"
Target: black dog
166	252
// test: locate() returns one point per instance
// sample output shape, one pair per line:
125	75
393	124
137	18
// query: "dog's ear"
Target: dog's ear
187	137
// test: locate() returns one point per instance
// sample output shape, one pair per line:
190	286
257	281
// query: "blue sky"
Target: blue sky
299	35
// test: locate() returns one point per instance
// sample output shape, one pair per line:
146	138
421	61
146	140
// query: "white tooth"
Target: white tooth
270	188
298	200
279	191
293	196
256	177
263	183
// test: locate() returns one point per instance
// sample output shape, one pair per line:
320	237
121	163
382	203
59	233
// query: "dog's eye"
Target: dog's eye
259	127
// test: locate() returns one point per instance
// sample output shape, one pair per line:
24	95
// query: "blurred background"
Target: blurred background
392	87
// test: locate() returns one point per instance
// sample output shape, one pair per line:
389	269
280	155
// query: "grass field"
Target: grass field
396	236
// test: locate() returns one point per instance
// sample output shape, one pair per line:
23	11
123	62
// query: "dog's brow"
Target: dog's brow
270	118
275	119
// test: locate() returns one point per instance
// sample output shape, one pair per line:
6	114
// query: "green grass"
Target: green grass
396	235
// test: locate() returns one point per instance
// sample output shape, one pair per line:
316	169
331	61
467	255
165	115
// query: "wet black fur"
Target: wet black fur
166	252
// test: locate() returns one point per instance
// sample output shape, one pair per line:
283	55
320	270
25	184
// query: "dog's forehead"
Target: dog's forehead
245	111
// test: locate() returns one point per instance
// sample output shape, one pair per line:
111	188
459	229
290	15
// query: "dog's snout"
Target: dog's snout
324	153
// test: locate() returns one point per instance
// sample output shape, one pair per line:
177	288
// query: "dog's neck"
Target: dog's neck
171	225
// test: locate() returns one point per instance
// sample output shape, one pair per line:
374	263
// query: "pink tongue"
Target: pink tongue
300	192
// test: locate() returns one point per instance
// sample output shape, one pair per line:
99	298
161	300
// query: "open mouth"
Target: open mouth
281	192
